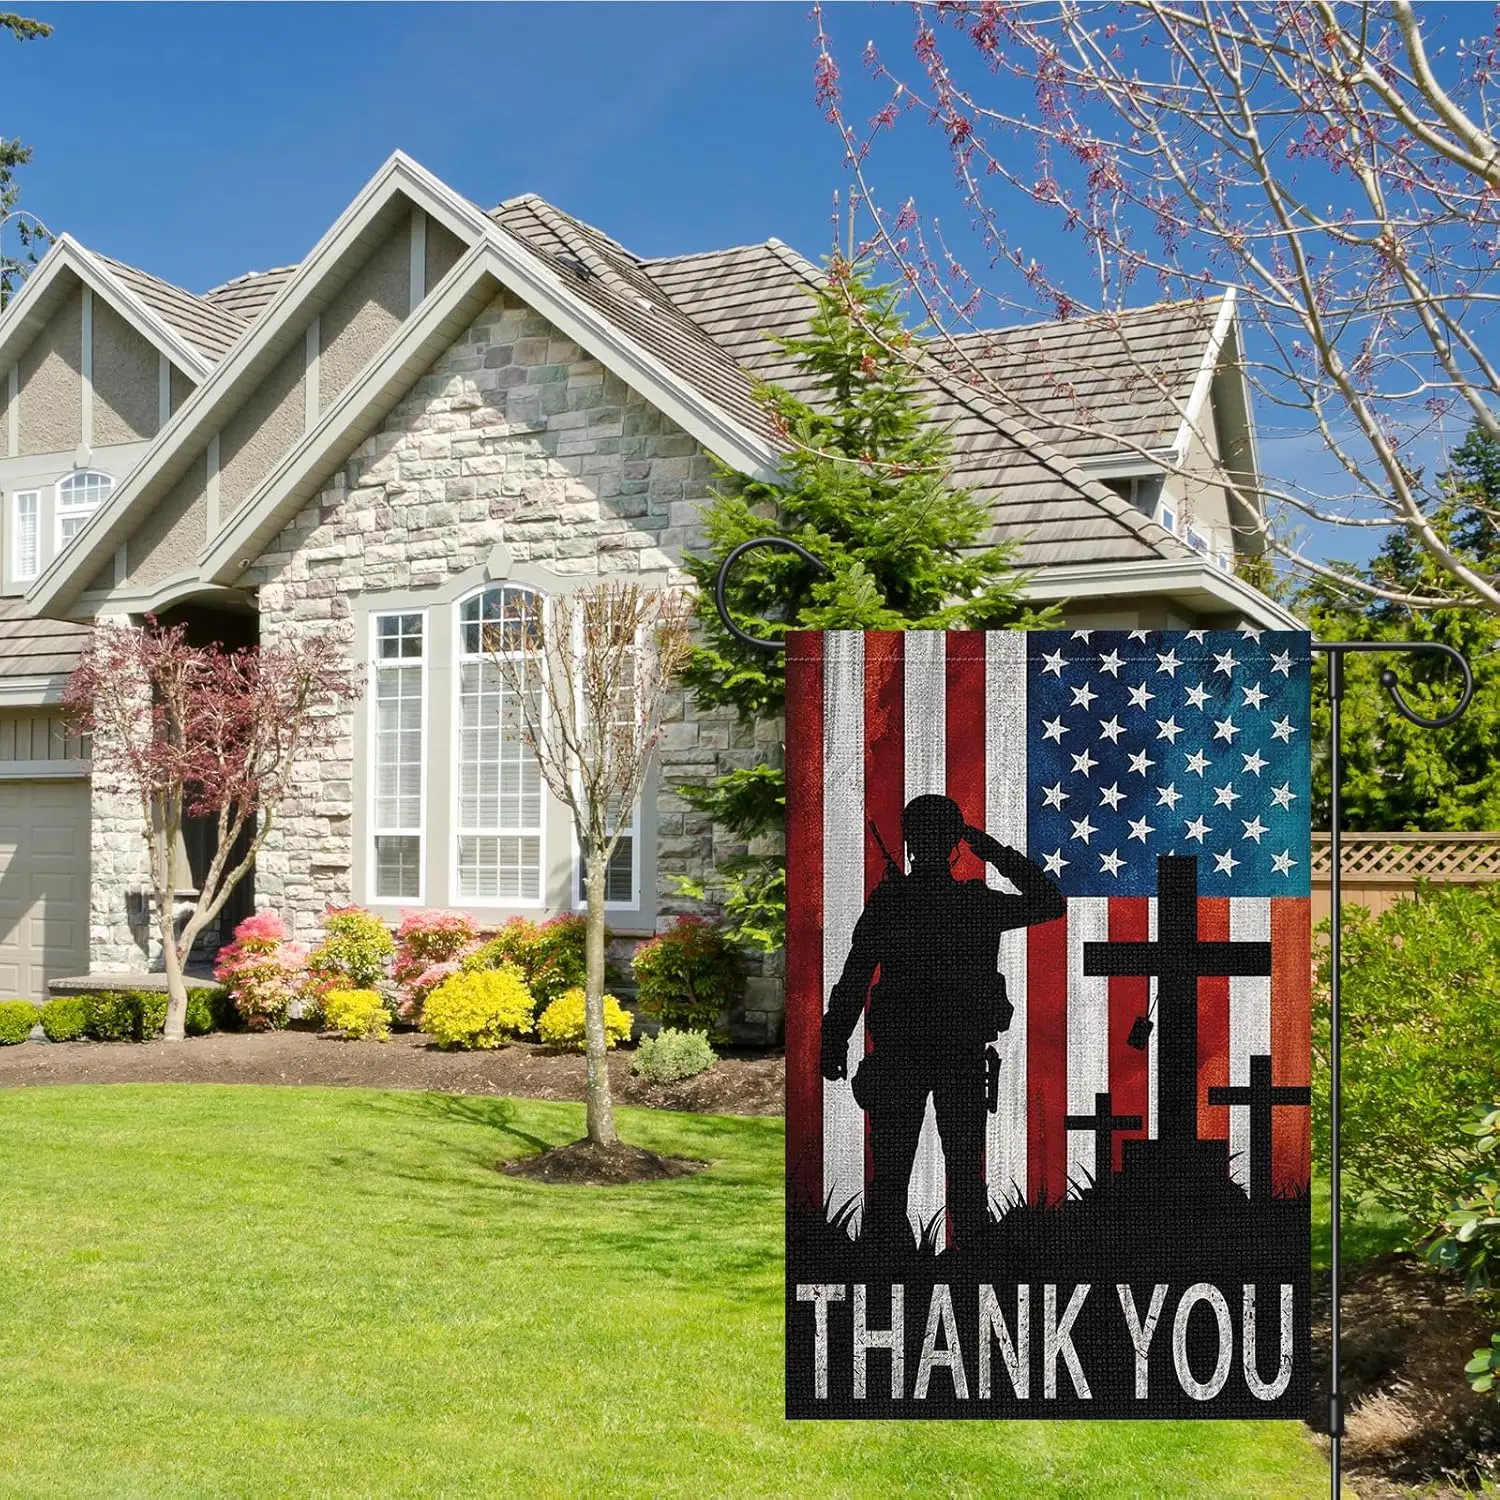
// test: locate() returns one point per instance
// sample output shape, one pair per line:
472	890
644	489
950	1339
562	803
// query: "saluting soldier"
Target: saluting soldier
940	1000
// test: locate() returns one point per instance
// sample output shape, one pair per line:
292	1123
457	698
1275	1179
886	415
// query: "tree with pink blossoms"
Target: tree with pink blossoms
195	731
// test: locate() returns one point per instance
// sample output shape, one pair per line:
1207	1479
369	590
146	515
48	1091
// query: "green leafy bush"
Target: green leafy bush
673	1054
357	1014
561	1024
478	1010
1421	1030
114	1016
353	953
552	957
689	976
151	1011
65	1018
17	1017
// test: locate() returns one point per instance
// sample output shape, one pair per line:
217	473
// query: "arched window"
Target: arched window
500	794
79	495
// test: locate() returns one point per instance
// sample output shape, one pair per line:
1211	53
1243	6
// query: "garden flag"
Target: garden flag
1048	984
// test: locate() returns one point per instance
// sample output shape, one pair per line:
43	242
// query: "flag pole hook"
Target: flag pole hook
1335	652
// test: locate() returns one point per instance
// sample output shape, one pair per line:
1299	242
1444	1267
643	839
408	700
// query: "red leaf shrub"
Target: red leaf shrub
261	970
425	940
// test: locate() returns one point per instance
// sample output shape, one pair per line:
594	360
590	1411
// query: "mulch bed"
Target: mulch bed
743	1082
583	1164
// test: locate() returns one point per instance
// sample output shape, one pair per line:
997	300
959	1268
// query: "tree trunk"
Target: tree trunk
601	1110
176	1027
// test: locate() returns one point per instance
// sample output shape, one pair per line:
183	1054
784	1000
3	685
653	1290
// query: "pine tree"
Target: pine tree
866	488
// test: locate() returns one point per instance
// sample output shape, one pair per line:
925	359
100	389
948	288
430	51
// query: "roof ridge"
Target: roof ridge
1118	313
224	286
657	260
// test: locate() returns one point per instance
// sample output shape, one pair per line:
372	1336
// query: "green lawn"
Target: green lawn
244	1291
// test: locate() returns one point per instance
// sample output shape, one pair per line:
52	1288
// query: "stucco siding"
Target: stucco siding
182	388
170	537
263	429
443	251
127	380
364	314
52	383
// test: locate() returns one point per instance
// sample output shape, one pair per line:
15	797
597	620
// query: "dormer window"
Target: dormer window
26	529
79	495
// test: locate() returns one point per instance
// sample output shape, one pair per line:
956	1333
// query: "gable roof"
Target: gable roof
210	330
248	296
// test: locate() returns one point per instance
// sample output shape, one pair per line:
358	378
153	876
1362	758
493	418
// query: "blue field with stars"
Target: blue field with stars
1142	742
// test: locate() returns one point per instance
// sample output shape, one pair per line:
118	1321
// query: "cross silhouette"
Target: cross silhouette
1260	1097
1103	1122
1178	959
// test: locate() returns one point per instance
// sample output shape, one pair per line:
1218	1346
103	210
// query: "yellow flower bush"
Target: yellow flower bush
480	1010
357	1014
561	1024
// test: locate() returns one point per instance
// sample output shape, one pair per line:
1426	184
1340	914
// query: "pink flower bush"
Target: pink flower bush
261	970
426	941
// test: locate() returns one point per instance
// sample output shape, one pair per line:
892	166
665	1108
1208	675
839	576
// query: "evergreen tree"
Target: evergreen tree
865	488
1398	776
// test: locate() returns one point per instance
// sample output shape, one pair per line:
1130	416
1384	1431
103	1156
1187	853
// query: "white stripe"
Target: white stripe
1088	1031
843	893
1249	1022
1005	820
926	749
1151	1050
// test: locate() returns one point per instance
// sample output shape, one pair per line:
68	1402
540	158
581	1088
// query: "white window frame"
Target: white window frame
20	574
377	830
66	484
460	830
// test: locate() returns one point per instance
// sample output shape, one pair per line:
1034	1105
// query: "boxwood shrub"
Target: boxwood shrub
65	1018
17	1017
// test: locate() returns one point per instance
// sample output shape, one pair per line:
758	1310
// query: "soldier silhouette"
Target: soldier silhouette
939	1001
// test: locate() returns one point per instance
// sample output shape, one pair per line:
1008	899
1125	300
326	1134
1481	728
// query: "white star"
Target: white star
1254	696
1281	661
1053	662
1198	696
1111	863
1224	662
1283	862
1111	729
1226	796
1082	696
1255	762
1225	729
1168	730
1248	629
1284	796
1138	635
1139	828
1168	796
1254	828
1197	635
1224	863
1082	635
1112	795
1054	729
1054	796
1083	829
1167	663
1054	862
1197	829
1140	696
1197	762
1282	730
1111	662
1083	762
1140	762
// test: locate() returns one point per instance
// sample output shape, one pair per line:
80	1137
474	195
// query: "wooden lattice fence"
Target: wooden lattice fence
1379	868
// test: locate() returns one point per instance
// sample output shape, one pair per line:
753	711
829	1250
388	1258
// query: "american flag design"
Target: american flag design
1092	753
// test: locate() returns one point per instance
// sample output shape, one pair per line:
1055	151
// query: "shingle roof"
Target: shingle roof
248	296
36	648
209	329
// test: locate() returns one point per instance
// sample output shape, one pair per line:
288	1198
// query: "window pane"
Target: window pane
398	867
27	558
500	869
397	789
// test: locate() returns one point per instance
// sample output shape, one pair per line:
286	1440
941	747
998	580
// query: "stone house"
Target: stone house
441	407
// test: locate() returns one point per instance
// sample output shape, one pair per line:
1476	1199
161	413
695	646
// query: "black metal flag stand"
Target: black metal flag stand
1335	651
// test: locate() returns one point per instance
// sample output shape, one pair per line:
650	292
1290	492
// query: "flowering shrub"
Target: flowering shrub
352	955
553	957
690	975
261	970
478	1010
561	1024
673	1054
357	1014
425	939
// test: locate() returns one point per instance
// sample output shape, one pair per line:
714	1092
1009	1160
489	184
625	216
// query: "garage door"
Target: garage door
44	884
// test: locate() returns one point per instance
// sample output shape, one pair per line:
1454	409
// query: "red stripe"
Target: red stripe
965	769
804	918
1047	1061
1129	998
1291	1040
1213	1024
885	770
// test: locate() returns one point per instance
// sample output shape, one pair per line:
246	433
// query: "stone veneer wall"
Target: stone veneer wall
514	435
